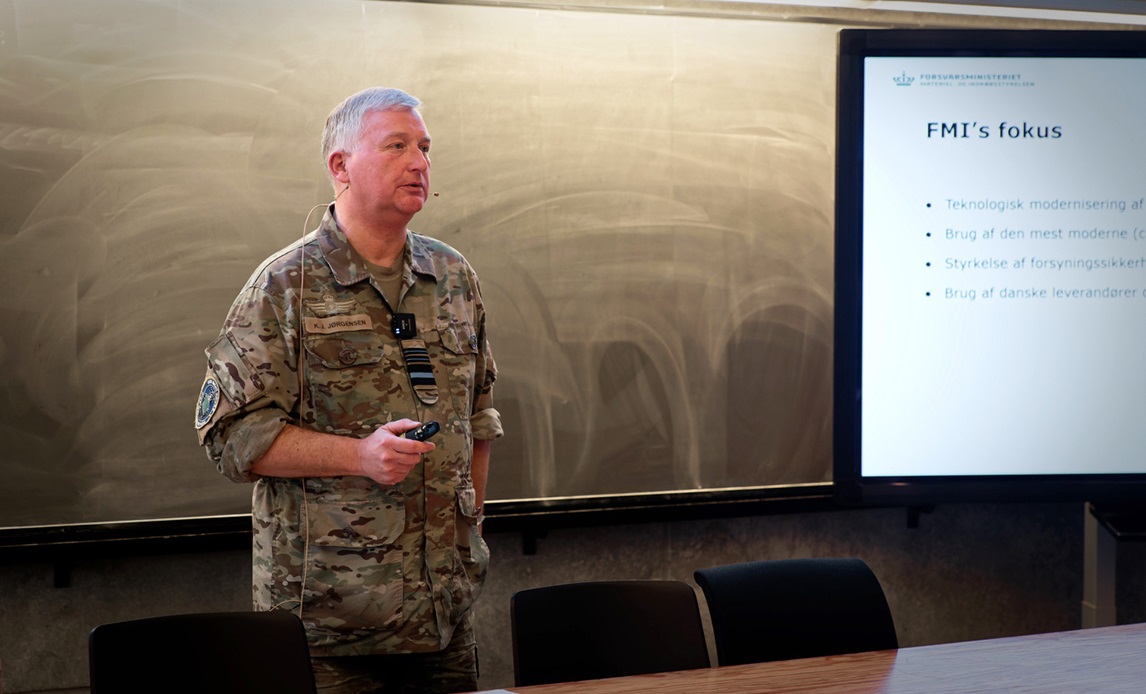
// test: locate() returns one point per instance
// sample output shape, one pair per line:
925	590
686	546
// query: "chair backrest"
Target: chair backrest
597	629
218	652
795	608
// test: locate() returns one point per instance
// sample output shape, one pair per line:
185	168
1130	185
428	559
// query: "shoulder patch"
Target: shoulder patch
208	402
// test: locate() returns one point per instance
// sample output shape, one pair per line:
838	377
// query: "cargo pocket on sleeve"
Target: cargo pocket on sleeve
238	382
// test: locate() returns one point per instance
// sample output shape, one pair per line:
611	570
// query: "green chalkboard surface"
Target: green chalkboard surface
646	197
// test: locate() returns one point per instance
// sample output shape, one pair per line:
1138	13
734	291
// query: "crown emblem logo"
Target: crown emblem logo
903	80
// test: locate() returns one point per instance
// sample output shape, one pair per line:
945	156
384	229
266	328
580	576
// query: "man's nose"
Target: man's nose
420	161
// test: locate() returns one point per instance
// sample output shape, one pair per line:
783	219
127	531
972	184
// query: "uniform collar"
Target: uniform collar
348	267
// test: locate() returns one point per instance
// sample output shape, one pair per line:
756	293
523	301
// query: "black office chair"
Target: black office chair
795	608
219	652
598	629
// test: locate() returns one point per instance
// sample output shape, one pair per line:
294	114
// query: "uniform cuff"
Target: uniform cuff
247	440
486	424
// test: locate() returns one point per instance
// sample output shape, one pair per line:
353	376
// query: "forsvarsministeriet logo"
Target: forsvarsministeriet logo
962	79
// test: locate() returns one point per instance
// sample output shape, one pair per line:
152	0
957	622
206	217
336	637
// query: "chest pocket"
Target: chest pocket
350	377
454	349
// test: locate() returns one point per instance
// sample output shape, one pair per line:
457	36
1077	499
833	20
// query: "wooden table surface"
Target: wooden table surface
1108	659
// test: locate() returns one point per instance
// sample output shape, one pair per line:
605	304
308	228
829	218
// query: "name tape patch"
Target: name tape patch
337	324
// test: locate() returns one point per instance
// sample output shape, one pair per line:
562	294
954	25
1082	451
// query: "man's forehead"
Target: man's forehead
405	122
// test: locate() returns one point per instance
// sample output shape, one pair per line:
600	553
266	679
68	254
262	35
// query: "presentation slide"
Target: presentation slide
1004	266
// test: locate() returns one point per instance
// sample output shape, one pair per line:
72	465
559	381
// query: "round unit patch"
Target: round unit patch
208	402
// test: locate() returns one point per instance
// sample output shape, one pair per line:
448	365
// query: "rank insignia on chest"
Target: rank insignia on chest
421	370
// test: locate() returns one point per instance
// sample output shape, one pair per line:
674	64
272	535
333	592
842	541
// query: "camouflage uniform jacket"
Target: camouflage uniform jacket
379	569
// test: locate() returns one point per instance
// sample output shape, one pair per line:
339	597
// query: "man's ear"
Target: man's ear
336	164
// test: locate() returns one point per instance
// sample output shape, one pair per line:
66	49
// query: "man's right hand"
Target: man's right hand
386	457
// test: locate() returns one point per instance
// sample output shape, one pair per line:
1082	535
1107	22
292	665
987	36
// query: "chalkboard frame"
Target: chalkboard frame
64	545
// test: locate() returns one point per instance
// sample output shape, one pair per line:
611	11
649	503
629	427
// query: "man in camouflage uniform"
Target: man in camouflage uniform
338	345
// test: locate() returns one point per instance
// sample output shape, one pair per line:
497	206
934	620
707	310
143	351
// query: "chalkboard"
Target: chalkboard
647	199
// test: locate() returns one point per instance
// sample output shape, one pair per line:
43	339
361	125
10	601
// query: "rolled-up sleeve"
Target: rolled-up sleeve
235	445
256	388
486	424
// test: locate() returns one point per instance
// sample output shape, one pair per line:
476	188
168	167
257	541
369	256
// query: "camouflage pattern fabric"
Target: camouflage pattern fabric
378	569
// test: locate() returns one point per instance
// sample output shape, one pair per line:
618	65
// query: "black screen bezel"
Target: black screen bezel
852	486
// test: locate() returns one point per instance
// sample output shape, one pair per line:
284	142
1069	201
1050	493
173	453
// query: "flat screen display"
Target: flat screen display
991	265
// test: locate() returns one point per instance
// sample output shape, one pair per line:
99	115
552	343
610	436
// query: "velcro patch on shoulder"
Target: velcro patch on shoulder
208	402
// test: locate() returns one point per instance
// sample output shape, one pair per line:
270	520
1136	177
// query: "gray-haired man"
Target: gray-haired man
337	346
